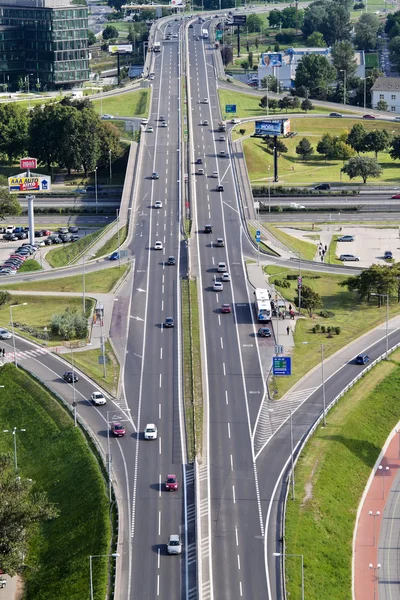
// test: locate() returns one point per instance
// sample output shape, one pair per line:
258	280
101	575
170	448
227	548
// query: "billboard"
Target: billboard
21	183
28	163
239	19
120	49
271	59
282	365
272	127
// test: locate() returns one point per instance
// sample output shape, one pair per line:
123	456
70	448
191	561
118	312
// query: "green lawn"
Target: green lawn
131	104
331	475
38	312
306	249
29	266
263	246
98	281
65	254
294	171
89	362
352	316
57	457
112	243
332	257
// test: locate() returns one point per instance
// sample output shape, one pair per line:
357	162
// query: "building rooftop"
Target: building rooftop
386	84
39	3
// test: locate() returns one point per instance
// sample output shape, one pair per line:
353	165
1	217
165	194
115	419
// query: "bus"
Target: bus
204	33
263	305
157	47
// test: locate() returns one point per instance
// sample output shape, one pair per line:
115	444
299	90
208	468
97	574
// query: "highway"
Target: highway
373	202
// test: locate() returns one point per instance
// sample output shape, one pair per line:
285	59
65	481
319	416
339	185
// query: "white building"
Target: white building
387	89
283	65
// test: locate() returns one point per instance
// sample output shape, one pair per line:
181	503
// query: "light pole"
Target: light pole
119	252
95	185
267	97
114	555
291	452
14	432
73	387
376	577
374	515
299	282
365	94
387	321
283	554
109	156
12	328
344	84
322	380
269	190
383	470
84	282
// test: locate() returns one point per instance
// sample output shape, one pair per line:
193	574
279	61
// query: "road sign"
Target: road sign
281	365
230	108
218	34
299	282
21	183
28	163
258	235
239	19
278	349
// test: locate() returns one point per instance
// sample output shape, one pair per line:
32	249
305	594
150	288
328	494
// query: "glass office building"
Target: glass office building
44	42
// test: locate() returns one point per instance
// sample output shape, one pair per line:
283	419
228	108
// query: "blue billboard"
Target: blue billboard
230	108
268	127
282	365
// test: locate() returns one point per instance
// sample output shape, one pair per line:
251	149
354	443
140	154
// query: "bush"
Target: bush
69	325
323	329
291	277
281	283
326	314
317	327
337	330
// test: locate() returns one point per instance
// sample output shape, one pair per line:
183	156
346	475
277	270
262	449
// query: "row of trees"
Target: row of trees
67	134
378	279
286	103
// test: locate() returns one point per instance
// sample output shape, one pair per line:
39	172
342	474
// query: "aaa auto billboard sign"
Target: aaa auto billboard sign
21	183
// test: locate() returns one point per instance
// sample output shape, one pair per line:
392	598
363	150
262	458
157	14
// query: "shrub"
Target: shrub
291	277
326	314
317	326
337	330
69	325
323	329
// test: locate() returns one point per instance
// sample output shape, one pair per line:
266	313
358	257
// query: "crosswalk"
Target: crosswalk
23	355
274	413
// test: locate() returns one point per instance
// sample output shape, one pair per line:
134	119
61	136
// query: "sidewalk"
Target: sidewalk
376	540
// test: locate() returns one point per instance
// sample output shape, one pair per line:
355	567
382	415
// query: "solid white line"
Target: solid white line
229	431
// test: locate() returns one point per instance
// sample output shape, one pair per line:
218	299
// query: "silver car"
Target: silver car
150	432
174	545
5	334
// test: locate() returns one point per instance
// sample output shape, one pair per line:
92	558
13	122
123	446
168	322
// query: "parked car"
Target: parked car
346	257
9	237
63	230
73	229
346	238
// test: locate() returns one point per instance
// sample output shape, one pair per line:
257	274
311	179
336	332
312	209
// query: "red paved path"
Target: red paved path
365	551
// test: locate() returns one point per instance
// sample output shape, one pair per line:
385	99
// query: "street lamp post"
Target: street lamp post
12	329
73	387
114	555
344	84
299	282
269	190
376	577
383	470
322	381
387	321
119	252
14	433
109	156
283	554
374	515
291	451
95	185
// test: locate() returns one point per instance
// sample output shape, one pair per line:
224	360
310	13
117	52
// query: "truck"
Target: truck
262	305
156	47
204	34
221	126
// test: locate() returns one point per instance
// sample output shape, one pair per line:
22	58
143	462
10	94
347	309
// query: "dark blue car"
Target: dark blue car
114	256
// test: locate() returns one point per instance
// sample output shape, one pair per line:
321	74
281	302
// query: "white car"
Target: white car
150	432
295	206
221	267
158	204
150	129
5	334
107	117
152	76
226	277
164	124
218	286
158	246
235	121
98	398
174	545
144	121
205	100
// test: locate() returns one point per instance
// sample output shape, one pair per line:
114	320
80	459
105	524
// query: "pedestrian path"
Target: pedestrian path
376	568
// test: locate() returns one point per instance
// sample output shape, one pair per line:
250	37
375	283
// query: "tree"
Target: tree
378	279
227	54
9	203
382	105
326	146
270	82
14	122
263	102
376	141
343	151
304	148
331	19
310	299
395	148
362	166
315	73
69	325
254	23
343	58
88	149
394	51
285	103
45	133
392	24
356	138
274	18
366	31
250	58
292	18
92	39
245	64
306	105
20	509
296	103
273	104
110	33
316	40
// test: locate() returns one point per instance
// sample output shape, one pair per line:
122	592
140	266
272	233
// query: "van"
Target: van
200	171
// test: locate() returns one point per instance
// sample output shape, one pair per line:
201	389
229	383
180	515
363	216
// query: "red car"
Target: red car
117	429
18	257
171	483
46	232
226	308
396	197
369	117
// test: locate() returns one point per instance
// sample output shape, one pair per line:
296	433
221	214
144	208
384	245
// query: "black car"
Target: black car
53	239
335	114
199	161
264	332
21	235
10	237
65	237
169	322
362	359
92	188
70	377
73	229
220	188
388	255
322	186
39	233
208	228
171	260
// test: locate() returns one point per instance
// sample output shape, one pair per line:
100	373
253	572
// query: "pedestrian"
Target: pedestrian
290	308
326	248
269	294
4	352
1	350
288	329
322	259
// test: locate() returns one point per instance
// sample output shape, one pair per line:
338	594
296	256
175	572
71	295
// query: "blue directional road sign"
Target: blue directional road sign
258	235
282	365
230	108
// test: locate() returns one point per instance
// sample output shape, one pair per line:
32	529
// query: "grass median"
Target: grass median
91	363
345	310
331	475
55	454
306	249
112	244
68	253
129	104
102	281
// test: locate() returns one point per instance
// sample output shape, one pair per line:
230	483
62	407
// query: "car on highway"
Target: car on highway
169	322
92	188
220	187
220	243
5	334
215	174
158	204
199	161
174	35
395	197
171	260
218	286
349	257
73	229
388	255
369	117
150	432
174	545
98	399
150	129
106	116
226	277
221	267
154	175
205	122
264	332
226	308
235	121
362	359
164	124
346	238
152	76
171	483
114	255
222	153
208	228
221	138
117	430
335	114
205	100
158	246
70	377
144	121
162	118
322	186
295	206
